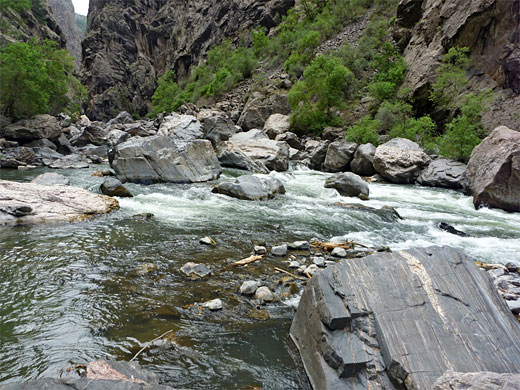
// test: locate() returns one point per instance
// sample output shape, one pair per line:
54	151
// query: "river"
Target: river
72	293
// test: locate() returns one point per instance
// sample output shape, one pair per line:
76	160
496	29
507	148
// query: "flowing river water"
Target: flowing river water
100	289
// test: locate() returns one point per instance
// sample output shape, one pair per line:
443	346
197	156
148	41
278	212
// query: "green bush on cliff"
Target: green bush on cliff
15	5
364	131
37	78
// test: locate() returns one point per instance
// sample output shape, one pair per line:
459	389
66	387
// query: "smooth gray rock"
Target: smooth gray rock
319	261
292	140
339	252
116	137
181	127
444	173
63	144
400	160
216	126
483	380
264	294
249	287
213	305
72	161
51	179
90	135
113	187
158	159
400	320
348	184
299	246
42	143
192	269
231	157
277	124
494	171
249	187
27	130
317	156
25	203
339	155
280	250
363	161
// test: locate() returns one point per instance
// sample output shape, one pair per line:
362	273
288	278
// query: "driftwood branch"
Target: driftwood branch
250	259
288	273
150	342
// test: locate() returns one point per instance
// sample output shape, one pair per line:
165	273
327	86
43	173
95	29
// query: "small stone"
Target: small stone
260	250
495	273
249	287
319	261
511	267
294	264
510	297
147	268
328	262
208	241
213	305
113	187
312	269
280	250
264	294
194	269
259	314
514	306
143	216
302	269
339	252
299	246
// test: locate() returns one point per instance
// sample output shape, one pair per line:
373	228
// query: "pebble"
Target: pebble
294	264
299	245
207	241
495	273
249	287
339	252
280	250
514	306
260	250
302	269
214	304
319	261
200	270
312	269
264	293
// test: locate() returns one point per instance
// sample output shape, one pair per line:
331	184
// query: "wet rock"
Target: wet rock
213	305
207	241
179	127
113	187
339	155
72	161
24	203
353	333
264	294
216	126
317	156
27	130
299	246
386	213
348	184
192	269
249	287
292	140
158	159
51	179
451	229
260	250
477	380
319	261
494	171
276	125
251	188
143	217
280	250
339	252
400	160
444	173
90	135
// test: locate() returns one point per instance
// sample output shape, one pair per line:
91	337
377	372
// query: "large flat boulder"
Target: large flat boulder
401	320
27	203
400	160
27	130
493	171
159	159
181	127
444	173
251	188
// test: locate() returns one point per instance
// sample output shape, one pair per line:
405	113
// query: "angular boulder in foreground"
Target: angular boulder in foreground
493	171
26	203
401	320
159	159
444	173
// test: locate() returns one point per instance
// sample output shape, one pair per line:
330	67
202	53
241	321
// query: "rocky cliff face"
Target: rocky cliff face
63	11
130	43
489	28
37	22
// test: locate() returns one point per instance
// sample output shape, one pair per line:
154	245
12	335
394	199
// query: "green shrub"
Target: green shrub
451	79
37	78
166	94
393	114
419	130
364	131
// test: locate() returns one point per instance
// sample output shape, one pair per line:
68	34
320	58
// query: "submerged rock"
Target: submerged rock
251	188
450	229
113	187
193	269
24	203
386	213
51	179
494	171
383	321
348	184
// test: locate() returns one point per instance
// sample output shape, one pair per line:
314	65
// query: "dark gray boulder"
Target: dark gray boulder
90	135
339	155
63	145
17	156
401	320
292	140
231	157
251	188
348	184
363	161
259	108
400	160
42	143
51	179
159	159
27	130
444	173
122	117
333	134
113	187
483	380
216	126
493	171
317	156
180	127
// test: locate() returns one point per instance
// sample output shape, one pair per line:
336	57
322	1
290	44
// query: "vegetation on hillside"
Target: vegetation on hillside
37	78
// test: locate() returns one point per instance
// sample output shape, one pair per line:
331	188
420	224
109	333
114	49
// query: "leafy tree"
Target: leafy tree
15	5
364	131
166	94
419	130
37	78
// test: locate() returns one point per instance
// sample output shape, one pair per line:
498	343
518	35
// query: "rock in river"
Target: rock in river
494	170
50	179
401	320
159	159
22	203
444	173
113	187
348	184
251	188
195	270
